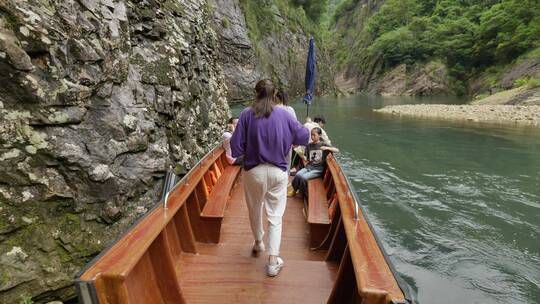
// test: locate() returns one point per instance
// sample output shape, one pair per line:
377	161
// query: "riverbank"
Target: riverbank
520	106
507	114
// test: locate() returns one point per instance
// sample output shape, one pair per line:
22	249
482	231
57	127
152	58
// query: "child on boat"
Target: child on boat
316	153
318	121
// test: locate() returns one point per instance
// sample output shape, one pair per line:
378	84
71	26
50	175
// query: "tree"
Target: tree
314	9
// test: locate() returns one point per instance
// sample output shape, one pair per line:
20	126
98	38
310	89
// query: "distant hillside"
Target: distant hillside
431	47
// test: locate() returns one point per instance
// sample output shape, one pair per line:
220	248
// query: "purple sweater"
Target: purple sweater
267	140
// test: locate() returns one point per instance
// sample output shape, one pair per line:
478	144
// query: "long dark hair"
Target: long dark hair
264	98
283	97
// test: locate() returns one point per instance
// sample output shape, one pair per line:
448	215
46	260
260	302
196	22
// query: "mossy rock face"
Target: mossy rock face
267	39
89	124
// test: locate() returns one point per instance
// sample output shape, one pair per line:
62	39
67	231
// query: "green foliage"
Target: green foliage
395	47
274	18
342	8
533	83
530	82
315	9
259	18
262	18
521	82
392	15
225	22
535	53
468	35
509	28
26	299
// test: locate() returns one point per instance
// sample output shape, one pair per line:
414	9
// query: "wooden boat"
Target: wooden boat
195	247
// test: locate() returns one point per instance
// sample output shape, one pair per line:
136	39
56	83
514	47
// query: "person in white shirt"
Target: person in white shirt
226	137
318	121
282	99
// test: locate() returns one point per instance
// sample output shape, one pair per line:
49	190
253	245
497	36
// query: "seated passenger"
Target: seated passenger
226	137
316	153
318	121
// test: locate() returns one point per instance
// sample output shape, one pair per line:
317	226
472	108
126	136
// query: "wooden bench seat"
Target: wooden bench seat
318	218
216	203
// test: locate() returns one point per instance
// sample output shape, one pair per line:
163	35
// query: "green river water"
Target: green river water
456	205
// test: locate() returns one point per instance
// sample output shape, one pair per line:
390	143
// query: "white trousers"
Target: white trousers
266	186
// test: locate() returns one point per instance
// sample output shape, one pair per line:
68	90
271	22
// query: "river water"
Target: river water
456	205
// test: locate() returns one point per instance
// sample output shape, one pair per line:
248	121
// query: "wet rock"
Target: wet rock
16	268
59	116
111	213
100	173
83	50
12	52
98	99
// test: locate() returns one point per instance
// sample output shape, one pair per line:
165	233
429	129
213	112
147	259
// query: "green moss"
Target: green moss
225	22
49	6
25	299
155	71
63	255
4	278
11	21
37	139
533	83
147	13
174	7
58	117
533	54
72	219
180	170
209	8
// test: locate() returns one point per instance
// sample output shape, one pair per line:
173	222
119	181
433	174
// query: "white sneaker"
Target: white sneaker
258	248
273	269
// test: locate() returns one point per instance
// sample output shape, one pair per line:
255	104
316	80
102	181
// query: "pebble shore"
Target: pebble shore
508	114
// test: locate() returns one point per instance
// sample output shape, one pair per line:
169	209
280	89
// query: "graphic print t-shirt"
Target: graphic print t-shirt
315	155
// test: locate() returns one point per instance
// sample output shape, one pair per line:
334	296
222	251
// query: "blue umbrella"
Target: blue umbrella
310	74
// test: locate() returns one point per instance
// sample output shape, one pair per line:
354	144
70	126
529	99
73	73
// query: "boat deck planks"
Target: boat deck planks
177	255
235	279
226	272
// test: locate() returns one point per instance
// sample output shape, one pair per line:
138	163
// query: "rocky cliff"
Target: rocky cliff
403	80
98	99
267	39
237	55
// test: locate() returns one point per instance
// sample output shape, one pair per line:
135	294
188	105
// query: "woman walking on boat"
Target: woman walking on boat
264	135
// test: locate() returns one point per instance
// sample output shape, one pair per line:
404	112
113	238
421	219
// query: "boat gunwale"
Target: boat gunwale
359	210
186	179
197	174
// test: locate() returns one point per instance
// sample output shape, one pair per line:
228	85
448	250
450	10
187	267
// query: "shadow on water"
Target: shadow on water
457	205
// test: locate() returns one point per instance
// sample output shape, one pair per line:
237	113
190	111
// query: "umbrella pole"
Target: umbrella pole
307	111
